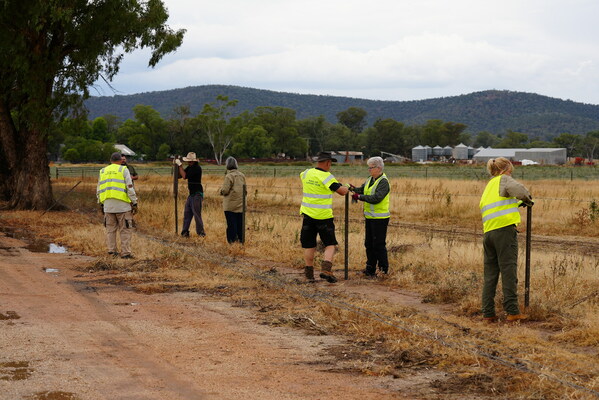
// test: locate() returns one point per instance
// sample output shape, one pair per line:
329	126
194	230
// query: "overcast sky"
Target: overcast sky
379	49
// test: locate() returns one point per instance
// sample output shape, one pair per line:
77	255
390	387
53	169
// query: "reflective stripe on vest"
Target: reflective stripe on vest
381	209
498	211
112	184
317	201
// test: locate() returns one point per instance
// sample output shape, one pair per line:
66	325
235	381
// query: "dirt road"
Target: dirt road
66	334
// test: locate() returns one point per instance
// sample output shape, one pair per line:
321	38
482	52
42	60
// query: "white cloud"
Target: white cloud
380	49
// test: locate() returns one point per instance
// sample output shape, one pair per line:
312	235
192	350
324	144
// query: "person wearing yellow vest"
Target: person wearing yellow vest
317	209
375	194
499	208
118	200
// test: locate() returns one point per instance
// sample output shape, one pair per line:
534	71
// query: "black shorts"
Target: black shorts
323	227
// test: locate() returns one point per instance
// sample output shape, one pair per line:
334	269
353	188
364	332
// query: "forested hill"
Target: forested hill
493	111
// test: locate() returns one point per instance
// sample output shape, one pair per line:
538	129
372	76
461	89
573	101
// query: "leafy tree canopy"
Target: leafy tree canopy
52	52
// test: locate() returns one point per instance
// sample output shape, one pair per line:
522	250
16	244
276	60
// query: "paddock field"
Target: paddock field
434	241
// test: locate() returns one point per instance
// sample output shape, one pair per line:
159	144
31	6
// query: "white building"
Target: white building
540	155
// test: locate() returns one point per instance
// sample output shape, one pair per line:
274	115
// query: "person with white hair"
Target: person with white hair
375	194
232	190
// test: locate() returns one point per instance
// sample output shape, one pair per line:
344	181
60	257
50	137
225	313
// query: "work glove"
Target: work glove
523	204
350	187
134	208
178	162
355	197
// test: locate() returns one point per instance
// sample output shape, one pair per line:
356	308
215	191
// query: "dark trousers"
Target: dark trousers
501	257
376	245
234	226
193	210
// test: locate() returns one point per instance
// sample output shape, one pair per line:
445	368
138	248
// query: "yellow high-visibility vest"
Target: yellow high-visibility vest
112	183
379	210
317	201
498	211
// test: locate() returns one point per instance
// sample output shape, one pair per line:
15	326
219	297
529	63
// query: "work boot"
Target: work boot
369	272
185	234
309	273
516	317
326	272
489	320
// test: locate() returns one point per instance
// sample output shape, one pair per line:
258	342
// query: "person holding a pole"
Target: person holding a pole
232	190
375	194
317	210
193	206
118	201
499	207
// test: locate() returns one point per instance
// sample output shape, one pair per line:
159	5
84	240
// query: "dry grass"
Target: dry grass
434	248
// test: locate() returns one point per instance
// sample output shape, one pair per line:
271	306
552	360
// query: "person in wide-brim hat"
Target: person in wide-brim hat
191	156
193	205
325	156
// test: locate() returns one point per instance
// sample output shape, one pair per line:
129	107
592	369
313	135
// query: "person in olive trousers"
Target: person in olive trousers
232	190
499	208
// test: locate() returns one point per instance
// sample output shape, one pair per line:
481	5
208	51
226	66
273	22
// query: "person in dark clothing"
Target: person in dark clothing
131	169
193	205
375	193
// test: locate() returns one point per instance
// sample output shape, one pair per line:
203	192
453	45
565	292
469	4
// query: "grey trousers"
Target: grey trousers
500	258
193	210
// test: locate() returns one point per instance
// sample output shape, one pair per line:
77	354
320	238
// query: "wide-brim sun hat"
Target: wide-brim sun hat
325	156
191	156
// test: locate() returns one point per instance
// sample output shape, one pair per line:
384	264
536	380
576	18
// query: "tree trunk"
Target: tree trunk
24	170
30	178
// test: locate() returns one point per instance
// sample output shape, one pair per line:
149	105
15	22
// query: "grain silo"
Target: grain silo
447	151
460	152
419	153
471	152
429	152
437	151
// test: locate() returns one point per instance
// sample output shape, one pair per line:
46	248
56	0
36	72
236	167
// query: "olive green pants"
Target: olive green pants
501	257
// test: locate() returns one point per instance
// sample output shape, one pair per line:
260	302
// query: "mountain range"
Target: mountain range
494	111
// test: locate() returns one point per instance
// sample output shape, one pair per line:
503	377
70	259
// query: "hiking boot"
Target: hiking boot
185	234
516	317
328	276
489	320
327	273
309	273
113	253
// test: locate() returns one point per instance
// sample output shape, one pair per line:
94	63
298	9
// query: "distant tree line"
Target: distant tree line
268	132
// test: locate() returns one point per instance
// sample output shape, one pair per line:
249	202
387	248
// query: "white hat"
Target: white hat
191	156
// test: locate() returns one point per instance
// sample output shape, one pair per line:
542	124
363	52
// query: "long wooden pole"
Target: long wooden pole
61	197
346	236
176	195
245	193
527	267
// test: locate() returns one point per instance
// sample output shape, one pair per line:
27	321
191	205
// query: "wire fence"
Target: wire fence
393	171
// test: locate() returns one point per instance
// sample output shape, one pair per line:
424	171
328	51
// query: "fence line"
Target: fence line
392	171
